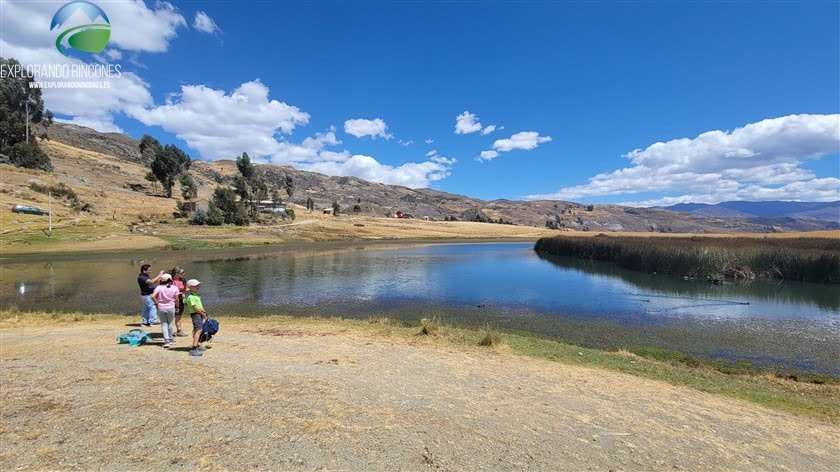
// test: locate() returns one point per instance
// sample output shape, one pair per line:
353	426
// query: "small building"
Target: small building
272	207
328	211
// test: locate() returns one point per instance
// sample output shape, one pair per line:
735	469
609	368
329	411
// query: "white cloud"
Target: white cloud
361	128
466	123
429	141
414	175
103	126
760	161
525	140
406	143
488	129
487	155
431	153
204	23
220	125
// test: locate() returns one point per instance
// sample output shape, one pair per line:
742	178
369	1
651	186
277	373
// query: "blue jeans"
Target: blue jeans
149	315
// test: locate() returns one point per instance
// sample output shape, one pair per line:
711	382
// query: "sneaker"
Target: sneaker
171	340
201	348
196	352
154	323
180	334
144	324
166	345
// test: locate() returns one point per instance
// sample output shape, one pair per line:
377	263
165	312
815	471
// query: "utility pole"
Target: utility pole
50	210
26	93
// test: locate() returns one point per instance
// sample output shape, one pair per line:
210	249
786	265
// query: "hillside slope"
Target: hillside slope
105	169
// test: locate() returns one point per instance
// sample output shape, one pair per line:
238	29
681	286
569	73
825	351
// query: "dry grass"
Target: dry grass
102	181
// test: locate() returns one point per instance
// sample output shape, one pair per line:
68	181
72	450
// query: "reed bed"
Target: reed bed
802	259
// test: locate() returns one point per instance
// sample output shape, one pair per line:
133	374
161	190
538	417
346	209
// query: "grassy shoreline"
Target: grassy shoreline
801	259
817	400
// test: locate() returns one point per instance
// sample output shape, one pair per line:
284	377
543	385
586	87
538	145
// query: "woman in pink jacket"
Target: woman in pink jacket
166	299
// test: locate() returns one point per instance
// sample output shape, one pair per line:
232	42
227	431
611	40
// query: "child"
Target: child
178	281
197	313
166	300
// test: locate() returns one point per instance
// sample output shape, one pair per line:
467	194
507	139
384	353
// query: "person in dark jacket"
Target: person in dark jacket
147	287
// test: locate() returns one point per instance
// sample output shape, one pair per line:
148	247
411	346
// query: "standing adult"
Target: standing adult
166	299
147	287
178	281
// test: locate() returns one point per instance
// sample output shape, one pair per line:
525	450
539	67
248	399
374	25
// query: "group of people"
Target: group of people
164	299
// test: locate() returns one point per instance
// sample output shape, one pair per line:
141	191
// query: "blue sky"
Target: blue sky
558	100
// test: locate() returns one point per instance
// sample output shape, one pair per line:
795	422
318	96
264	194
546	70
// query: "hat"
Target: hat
193	283
164	277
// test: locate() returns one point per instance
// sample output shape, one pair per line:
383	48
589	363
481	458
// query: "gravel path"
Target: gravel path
305	398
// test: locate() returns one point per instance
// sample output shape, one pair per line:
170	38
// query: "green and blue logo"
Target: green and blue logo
91	37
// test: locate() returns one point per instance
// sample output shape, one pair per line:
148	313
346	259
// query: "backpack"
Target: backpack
208	329
135	337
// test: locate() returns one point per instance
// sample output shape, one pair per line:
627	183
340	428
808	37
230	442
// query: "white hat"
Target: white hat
193	283
165	277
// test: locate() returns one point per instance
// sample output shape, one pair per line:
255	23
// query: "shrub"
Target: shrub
58	191
199	218
430	327
491	339
214	216
29	156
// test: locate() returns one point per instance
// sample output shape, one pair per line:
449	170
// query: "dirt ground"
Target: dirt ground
303	397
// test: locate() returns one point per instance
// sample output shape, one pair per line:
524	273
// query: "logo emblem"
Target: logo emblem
90	37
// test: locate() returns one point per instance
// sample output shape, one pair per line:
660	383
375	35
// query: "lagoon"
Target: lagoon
784	326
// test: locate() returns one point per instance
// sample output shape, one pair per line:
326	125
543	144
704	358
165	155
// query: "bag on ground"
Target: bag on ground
135	337
208	329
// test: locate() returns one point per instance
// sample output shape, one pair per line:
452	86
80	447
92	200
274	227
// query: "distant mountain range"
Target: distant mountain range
824	211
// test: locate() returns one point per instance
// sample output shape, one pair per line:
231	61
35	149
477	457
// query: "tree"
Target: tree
336	209
310	204
189	188
168	164
225	200
29	156
21	105
248	185
289	185
150	177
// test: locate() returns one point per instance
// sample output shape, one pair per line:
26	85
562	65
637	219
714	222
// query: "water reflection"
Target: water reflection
786	292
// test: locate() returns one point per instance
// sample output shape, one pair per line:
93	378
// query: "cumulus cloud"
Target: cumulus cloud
406	143
760	161
487	155
526	141
466	123
220	125
414	175
429	141
361	128
488	129
204	23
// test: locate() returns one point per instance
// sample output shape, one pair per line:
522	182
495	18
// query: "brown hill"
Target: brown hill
106	168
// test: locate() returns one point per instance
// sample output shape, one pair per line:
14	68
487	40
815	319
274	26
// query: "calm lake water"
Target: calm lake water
781	325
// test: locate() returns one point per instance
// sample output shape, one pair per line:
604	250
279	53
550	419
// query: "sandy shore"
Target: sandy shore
293	395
